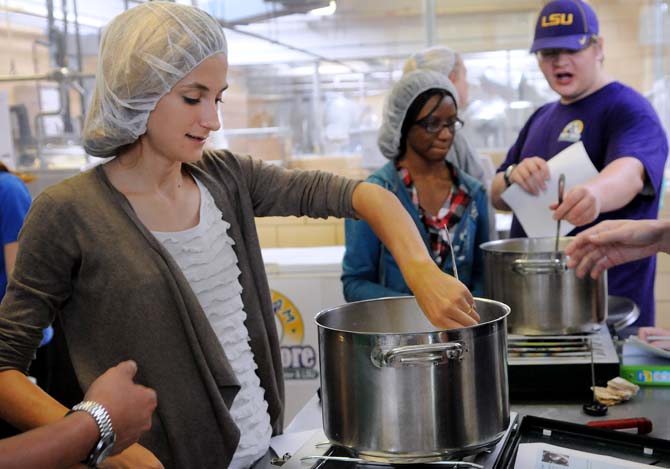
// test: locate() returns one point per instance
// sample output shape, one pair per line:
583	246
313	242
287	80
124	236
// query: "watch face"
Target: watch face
104	447
508	173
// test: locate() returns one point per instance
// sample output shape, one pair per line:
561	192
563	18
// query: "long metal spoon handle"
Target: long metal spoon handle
593	370
451	250
561	189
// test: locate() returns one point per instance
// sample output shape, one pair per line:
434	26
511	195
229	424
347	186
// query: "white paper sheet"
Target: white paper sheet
533	210
545	456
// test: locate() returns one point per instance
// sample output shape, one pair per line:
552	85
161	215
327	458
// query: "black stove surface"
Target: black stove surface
490	459
473	461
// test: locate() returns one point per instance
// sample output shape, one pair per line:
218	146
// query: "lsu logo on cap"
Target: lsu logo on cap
557	19
572	132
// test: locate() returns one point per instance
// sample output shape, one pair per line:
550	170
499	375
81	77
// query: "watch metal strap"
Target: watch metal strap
101	417
508	174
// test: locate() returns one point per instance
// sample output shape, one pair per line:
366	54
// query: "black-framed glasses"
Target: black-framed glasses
435	126
551	54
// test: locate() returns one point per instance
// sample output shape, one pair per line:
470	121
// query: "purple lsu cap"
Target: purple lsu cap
565	24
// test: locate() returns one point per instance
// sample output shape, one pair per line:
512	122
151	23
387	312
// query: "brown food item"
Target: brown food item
618	389
605	396
624	386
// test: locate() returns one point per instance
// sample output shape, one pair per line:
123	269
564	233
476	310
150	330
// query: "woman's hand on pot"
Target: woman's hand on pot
580	206
446	302
531	174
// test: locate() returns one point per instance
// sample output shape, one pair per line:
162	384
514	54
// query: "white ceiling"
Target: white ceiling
357	30
380	28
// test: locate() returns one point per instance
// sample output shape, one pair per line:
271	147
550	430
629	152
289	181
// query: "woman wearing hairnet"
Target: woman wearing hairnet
154	256
448	206
462	153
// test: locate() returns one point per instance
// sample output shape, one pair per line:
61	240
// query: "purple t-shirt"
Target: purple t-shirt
614	122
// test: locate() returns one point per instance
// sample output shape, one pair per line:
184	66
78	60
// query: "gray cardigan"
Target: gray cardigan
86	261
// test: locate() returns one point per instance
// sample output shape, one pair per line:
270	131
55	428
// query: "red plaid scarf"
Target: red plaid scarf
447	217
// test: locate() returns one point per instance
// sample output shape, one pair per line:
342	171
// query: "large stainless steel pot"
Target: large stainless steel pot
396	389
545	296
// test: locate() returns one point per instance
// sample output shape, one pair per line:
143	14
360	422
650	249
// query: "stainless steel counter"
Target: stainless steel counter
651	402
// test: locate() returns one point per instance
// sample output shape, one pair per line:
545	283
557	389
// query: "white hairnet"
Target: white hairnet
401	97
144	52
438	58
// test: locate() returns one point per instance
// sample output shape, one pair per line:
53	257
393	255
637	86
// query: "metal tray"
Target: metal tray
614	443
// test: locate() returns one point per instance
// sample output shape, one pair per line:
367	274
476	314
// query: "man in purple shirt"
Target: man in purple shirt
619	128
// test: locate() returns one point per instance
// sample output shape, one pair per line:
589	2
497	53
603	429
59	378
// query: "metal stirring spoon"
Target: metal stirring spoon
561	188
453	263
595	407
451	249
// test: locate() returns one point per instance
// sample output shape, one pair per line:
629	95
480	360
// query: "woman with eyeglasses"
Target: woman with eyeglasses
449	207
620	131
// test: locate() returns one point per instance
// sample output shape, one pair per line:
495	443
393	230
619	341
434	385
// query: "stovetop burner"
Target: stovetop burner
559	367
321	454
561	348
337	456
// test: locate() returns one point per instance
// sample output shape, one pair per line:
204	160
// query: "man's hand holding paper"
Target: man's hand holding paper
534	207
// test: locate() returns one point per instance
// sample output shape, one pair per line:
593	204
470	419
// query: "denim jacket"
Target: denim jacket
370	271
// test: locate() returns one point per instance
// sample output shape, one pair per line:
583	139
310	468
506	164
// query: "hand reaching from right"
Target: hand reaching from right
615	242
645	333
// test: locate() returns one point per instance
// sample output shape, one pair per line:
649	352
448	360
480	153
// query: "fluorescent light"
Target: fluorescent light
40	11
325	11
520	104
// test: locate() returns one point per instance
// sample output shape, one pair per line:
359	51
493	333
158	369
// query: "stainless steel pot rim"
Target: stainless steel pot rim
520	245
410	334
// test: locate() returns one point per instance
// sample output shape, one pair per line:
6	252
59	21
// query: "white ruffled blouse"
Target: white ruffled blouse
205	255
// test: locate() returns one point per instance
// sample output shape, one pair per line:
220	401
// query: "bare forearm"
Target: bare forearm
497	188
446	302
393	226
9	251
664	229
618	183
24	405
61	444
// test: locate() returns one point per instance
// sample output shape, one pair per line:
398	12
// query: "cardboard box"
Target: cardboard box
641	367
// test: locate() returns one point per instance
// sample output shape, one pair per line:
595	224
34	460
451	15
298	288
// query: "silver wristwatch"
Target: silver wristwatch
508	174
107	437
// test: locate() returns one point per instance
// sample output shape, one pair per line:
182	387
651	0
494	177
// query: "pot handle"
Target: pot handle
423	354
539	266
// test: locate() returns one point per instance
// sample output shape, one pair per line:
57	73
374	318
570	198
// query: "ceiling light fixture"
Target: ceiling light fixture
325	11
520	104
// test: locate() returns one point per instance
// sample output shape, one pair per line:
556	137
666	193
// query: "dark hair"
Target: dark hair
414	110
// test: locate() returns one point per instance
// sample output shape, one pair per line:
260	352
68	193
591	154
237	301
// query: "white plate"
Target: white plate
647	347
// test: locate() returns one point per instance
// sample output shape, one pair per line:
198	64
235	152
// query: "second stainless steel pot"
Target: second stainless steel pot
395	389
544	295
